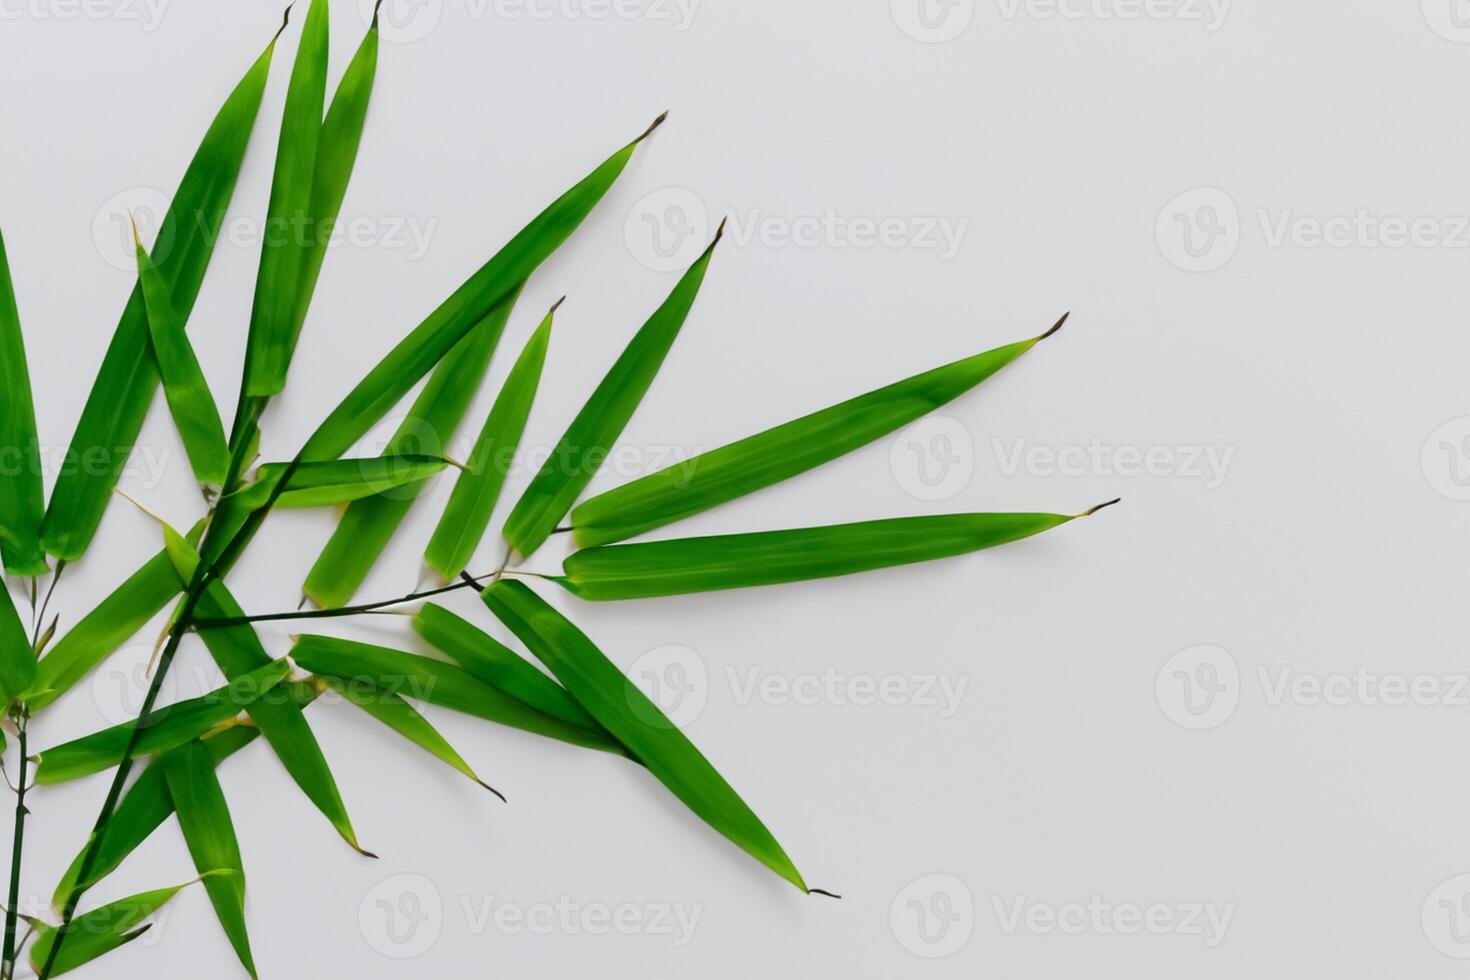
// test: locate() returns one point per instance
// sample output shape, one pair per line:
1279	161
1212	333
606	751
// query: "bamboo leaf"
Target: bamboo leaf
496	280
204	817
336	155
368	525
17	657
119	399
736	561
592	433
184	388
279	282
437	683
238	652
636	721
404	719
338	481
22	498
477	490
102	930
146	805
498	665
780	453
164	729
103	630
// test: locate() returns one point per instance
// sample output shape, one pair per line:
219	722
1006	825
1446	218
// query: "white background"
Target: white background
1073	770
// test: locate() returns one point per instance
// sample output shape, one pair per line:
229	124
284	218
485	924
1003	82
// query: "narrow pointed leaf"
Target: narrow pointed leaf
369	524
477	490
22	499
273	319
339	481
496	280
116	620
189	400
164	729
100	931
146	805
437	683
238	652
736	561
593	432
636	722
204	817
336	156
403	718
125	383
17	657
780	453
498	665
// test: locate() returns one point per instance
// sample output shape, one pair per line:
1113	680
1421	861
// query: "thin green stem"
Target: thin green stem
344	611
12	910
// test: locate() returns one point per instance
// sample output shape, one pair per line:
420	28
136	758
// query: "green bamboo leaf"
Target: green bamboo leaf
204	817
119	399
435	682
283	253
189	400
478	488
780	453
102	930
636	721
368	525
146	805
498	665
116	620
737	561
336	155
417	353
339	481
596	428
17	657
22	498
404	719
238	652
164	729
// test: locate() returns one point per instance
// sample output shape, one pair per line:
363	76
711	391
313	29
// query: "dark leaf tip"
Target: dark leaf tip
376	7
556	306
652	126
493	790
1094	510
1056	326
823	892
285	22
471	581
